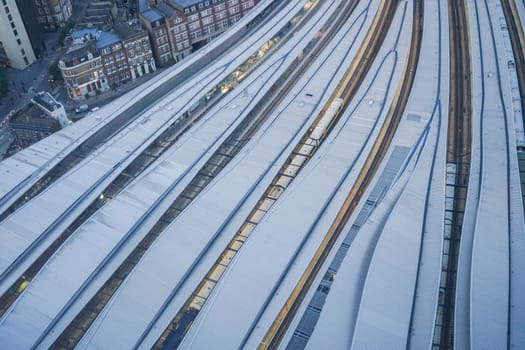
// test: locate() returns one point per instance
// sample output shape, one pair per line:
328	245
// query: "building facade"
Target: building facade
82	70
51	107
29	126
137	48
97	14
205	19
52	14
176	27
33	29
190	24
155	24
97	61
16	49
114	59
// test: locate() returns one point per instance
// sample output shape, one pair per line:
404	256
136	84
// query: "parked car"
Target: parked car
82	108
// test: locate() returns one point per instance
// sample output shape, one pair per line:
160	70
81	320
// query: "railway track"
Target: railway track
515	316
285	317
225	153
517	38
156	148
116	125
458	159
485	260
305	149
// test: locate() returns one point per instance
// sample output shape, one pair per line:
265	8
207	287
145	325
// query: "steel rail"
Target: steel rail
286	315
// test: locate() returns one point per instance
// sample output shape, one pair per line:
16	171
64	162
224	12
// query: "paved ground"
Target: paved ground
24	83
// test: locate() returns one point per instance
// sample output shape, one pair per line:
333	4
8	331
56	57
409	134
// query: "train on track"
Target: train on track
312	142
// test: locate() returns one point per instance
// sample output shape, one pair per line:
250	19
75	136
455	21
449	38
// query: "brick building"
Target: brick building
97	61
176	27
114	59
29	126
183	26
52	14
138	49
82	67
155	24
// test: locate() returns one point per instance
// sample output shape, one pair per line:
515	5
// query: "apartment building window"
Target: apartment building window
196	35
193	18
246	5
235	19
206	12
208	30
181	36
207	20
233	10
220	15
194	25
220	7
232	2
223	24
